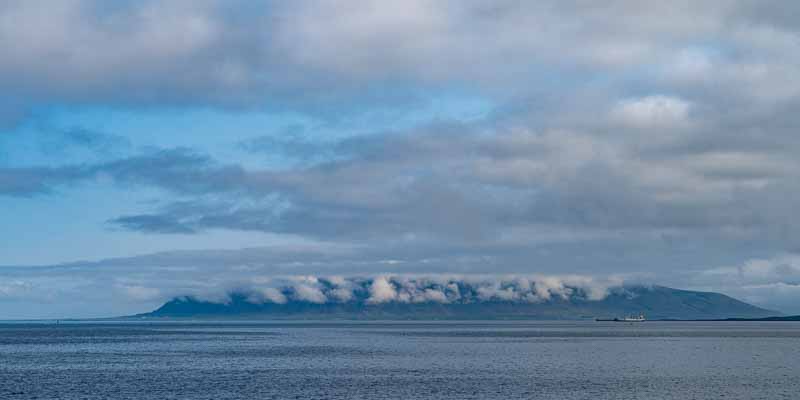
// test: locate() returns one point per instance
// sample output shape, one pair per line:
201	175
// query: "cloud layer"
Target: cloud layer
310	54
152	287
426	289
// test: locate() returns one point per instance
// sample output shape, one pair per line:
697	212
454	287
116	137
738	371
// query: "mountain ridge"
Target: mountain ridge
656	302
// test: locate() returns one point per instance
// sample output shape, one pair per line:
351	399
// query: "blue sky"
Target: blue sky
151	150
58	137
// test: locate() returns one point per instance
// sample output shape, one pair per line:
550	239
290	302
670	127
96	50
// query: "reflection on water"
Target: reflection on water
421	360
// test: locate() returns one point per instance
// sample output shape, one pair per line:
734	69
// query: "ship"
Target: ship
630	318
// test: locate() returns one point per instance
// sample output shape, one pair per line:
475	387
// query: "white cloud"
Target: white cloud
768	282
12	289
272	295
381	291
141	293
434	295
341	294
690	65
309	293
657	111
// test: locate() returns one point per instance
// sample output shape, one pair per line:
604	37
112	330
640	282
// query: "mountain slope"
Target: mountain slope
789	318
655	302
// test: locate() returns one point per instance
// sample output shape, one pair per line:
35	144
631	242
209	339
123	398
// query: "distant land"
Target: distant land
766	319
655	302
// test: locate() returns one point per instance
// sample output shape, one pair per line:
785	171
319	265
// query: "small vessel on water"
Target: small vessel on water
630	318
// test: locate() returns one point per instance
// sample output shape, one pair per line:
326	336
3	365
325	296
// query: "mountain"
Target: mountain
656	302
788	318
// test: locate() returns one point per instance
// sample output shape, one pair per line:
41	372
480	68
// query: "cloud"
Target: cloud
15	289
60	142
245	54
144	287
151	223
381	291
39	139
141	293
404	288
139	284
179	170
293	143
269	294
773	282
497	186
784	269
493	185
306	288
28	181
652	111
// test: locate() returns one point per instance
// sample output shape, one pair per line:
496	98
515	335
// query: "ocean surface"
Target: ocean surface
400	360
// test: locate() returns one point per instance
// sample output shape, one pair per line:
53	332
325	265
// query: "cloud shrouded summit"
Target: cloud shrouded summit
411	289
453	297
650	142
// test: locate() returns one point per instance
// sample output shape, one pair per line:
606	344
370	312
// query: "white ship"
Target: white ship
630	318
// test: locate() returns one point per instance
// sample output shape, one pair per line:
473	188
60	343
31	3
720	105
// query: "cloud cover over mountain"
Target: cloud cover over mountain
455	297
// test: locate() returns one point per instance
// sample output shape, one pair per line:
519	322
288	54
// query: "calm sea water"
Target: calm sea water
374	360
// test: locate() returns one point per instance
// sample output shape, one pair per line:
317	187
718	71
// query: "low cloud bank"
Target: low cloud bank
443	289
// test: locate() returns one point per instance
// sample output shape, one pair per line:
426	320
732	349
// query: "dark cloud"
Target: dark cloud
294	143
325	56
458	182
75	142
96	141
37	180
179	170
152	224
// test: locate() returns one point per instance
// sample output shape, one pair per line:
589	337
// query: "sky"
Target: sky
155	149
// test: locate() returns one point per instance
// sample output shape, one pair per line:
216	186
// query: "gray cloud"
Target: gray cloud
464	183
473	185
98	142
179	170
318	55
773	281
29	181
152	223
294	143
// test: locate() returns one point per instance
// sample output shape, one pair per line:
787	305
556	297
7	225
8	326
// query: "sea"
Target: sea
399	360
